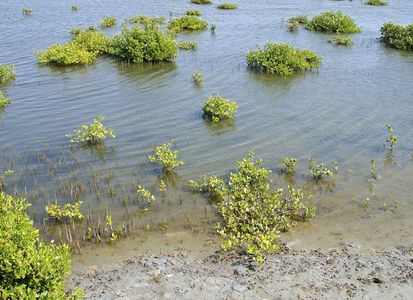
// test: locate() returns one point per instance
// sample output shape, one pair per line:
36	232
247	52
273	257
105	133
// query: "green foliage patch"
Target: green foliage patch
147	21
197	77
91	134
186	22
227	6
292	26
193	13
331	21
299	18
218	108
108	22
189	45
201	1
3	101
397	36
66	54
69	212
27	11
282	58
376	3
319	170
289	163
340	40
165	157
7	73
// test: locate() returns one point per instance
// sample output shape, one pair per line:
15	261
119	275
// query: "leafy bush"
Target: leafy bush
289	164
319	170
93	134
213	26
3	101
165	157
397	36
218	108
197	77
227	6
340	40
75	7
252	214
331	21
91	40
29	269
376	2
108	22
147	44
299	19
392	139
193	13
186	22
293	26
69	211
7	73
147	21
2	183
201	1
283	59
27	11
188	45
66	54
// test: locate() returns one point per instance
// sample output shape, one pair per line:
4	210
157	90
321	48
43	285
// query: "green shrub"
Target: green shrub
67	54
93	134
29	269
340	40
27	11
91	40
289	164
293	26
331	21
186	22
376	2
69	212
3	101
299	19
165	157
218	108
193	13
108	22
147	44
147	21
227	6
397	36
392	139
253	215
189	45
75	7
283	59
213	26
197	77
7	73
319	170
201	1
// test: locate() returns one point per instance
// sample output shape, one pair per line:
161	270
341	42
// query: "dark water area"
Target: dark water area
336	113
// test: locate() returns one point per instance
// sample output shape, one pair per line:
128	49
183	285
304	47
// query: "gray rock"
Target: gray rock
240	288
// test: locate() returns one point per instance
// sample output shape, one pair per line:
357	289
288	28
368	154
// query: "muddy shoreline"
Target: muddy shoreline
337	273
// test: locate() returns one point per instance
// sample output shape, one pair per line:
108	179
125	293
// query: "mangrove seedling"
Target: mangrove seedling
165	157
93	134
289	164
299	19
392	139
212	27
319	170
7	73
340	40
27	11
189	45
186	22
376	2
373	169
227	6
218	108
69	211
3	101
2	183
197	77
75	7
331	21
397	36
146	195
108	22
294	26
193	13
201	1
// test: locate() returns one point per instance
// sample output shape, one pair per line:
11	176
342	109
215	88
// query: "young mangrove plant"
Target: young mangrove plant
340	40
197	77
392	139
75	7
218	108
27	11
294	26
167	158
253	215
373	169
30	269
289	164
2	183
283	59
189	45
146	195
148	21
108	22
331	21
397	36
213	27
186	22
227	6
201	1
7	73
193	13
92	134
376	3
68	212
3	101
69	53
302	19
319	170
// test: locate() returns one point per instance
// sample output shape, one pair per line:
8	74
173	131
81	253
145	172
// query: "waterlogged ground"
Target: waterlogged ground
337	113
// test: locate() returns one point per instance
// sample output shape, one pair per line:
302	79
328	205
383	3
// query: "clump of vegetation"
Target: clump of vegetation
7	73
146	195
392	139
289	163
3	101
165	157
218	108
397	36
68	212
186	22
90	40
193	13
30	269
292	26
201	1
197	77
376	2
75	7
143	44
373	169
69	53
319	170
2	183
340	40
227	6
283	59
253	215
331	21
212	27
300	19
93	134
27	11
108	22
189	45
148	21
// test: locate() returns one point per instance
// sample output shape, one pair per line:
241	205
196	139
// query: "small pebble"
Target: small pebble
331	261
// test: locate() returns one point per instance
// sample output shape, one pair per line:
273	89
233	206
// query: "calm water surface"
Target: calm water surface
337	113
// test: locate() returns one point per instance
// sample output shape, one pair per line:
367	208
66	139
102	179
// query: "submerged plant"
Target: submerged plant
218	108
3	101
186	22
108	22
165	157
7	73
294	26
397	36
319	170
289	164
91	134
331	21
392	139
197	77
201	1
283	59
193	13
340	40
227	6
376	2
189	45
69	211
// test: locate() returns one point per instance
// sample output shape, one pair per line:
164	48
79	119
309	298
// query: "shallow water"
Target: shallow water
337	113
